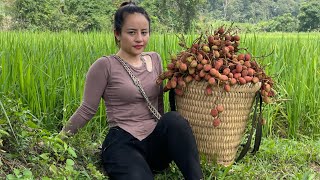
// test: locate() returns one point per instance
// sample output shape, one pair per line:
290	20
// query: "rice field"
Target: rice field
47	71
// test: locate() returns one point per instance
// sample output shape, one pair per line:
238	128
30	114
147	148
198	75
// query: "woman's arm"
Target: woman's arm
160	97
95	84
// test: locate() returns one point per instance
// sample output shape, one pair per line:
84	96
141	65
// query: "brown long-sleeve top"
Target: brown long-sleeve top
125	106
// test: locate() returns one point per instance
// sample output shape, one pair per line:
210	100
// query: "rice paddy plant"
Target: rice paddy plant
293	63
47	71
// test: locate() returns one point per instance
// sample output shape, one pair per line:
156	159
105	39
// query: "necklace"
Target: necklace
141	59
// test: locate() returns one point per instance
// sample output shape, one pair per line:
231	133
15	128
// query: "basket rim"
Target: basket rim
246	88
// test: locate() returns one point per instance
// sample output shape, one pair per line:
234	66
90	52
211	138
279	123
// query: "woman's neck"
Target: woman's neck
133	60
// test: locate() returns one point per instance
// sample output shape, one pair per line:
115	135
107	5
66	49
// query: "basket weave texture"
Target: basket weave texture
220	143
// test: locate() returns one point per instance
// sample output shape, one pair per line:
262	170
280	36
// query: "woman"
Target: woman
137	145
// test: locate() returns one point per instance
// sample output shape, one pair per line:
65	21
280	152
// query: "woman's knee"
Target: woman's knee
127	166
174	119
131	174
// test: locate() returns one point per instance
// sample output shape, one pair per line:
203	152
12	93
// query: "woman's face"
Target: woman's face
134	34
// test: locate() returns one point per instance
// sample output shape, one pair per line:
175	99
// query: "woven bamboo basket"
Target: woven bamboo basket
220	143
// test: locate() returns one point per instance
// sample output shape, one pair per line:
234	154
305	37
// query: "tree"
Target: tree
177	15
234	11
282	7
309	16
57	15
251	10
166	15
40	14
87	15
156	12
283	23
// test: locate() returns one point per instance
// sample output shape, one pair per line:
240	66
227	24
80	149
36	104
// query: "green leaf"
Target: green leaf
58	140
71	152
10	177
16	172
44	156
3	121
27	173
56	147
32	125
69	162
53	169
69	168
65	146
4	132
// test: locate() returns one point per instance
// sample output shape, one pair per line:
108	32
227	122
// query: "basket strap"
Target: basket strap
258	136
172	100
136	82
258	126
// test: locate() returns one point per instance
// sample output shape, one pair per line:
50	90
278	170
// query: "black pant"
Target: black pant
125	157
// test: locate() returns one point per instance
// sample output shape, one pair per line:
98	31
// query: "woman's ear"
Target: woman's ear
116	35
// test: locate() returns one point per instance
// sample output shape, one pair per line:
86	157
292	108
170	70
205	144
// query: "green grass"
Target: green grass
277	159
43	74
35	153
47	70
294	65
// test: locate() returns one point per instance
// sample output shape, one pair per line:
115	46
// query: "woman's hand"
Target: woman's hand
63	135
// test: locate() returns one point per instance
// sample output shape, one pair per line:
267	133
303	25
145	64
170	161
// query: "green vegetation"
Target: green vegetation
47	71
52	43
28	151
166	15
41	84
34	153
309	17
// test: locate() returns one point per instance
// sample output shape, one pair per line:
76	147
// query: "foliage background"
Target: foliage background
42	76
167	15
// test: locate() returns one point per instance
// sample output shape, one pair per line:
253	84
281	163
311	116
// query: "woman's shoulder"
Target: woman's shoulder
103	62
107	59
153	55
